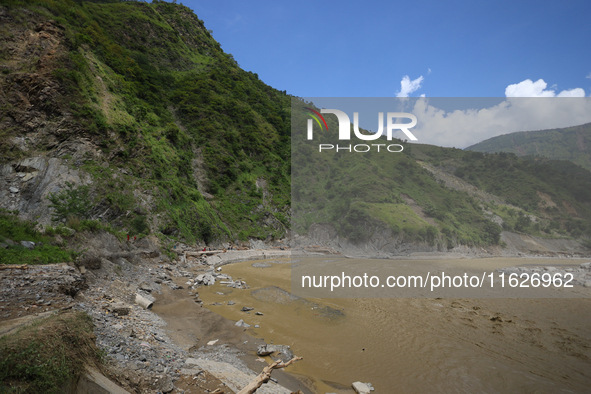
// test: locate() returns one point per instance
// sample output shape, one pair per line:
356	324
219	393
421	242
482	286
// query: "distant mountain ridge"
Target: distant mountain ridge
570	143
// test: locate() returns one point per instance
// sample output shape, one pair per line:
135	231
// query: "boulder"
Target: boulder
150	254
145	286
190	371
241	323
128	332
166	385
119	309
283	351
9	242
264	350
192	361
92	262
67	231
71	284
28	244
361	388
29	176
213	260
208	280
239	284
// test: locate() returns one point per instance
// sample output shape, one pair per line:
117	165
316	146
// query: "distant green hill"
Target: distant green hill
570	143
359	193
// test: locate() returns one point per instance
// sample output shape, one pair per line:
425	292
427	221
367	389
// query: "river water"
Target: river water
418	345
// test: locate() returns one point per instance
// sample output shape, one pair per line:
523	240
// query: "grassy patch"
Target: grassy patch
16	230
48	355
397	216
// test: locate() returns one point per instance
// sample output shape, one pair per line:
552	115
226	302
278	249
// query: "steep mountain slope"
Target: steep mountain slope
570	143
129	116
138	103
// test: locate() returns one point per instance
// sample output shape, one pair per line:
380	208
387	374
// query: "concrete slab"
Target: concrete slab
94	382
236	379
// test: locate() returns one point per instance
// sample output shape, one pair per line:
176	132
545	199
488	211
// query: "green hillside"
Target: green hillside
358	193
571	143
163	108
161	131
557	192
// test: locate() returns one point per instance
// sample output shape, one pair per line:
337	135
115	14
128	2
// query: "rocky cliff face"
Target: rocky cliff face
84	104
35	113
36	128
26	184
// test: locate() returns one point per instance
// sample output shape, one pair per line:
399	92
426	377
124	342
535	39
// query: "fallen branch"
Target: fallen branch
201	252
264	376
15	267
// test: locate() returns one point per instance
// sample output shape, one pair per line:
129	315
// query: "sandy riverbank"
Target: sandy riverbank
414	345
192	327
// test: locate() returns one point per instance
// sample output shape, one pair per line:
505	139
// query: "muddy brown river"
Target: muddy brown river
418	345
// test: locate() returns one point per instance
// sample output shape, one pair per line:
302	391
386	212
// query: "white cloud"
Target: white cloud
429	71
407	86
577	92
588	76
462	128
528	88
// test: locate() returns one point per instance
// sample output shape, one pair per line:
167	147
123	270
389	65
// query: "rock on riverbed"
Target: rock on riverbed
580	276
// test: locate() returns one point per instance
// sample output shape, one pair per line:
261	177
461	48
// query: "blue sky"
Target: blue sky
445	48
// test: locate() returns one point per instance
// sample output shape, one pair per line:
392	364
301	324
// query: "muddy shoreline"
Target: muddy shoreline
144	352
192	326
166	349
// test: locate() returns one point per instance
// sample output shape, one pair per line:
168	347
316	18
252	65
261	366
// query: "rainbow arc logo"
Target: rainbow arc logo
316	115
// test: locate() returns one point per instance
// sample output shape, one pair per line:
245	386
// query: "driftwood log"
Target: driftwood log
202	253
13	267
264	376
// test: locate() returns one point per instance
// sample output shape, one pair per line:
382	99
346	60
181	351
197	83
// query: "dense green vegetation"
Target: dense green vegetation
151	87
559	192
361	192
570	143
